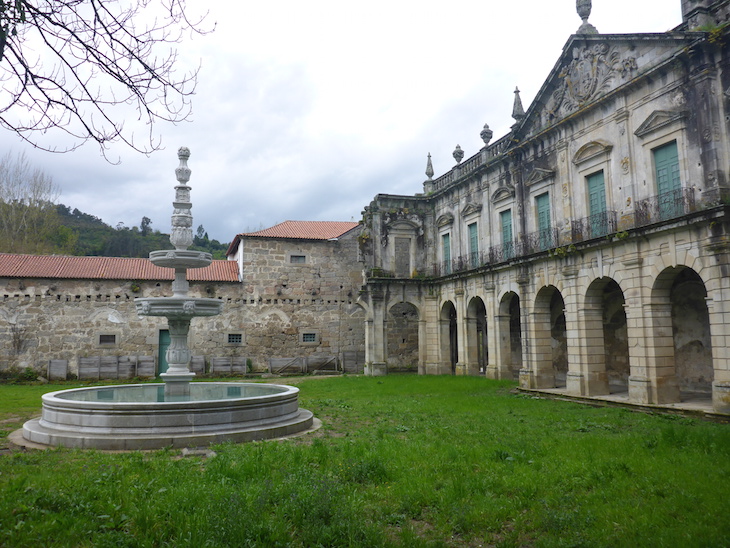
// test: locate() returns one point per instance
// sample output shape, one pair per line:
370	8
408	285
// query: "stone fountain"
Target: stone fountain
180	308
178	413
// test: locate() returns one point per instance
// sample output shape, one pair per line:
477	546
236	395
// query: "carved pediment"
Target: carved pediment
471	209
538	174
503	192
591	150
657	120
445	220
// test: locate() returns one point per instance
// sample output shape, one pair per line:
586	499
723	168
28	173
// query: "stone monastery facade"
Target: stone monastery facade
586	250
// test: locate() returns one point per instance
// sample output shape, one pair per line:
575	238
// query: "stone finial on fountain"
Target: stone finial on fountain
181	235
584	11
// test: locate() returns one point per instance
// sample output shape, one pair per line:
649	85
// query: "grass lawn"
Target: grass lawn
400	461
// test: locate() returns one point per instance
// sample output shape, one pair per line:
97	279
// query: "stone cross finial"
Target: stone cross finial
429	167
584	11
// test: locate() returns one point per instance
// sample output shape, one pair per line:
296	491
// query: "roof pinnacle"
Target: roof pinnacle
584	11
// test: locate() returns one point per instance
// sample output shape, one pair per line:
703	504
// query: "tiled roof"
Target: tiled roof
304	230
106	268
298	230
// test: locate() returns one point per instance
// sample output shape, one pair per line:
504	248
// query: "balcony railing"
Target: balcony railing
663	207
542	240
595	226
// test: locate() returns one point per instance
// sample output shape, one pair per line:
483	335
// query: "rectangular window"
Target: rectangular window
669	186
545	237
473	245
107	339
298	259
597	221
309	337
508	248
235	338
446	252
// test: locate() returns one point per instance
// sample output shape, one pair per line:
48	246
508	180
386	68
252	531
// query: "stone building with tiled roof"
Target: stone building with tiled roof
288	294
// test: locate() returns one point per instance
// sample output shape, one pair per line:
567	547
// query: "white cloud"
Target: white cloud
307	110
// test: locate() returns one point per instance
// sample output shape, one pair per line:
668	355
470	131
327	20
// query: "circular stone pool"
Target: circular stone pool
141	416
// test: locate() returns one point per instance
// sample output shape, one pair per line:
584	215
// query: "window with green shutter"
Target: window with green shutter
507	242
545	238
597	205
669	186
473	245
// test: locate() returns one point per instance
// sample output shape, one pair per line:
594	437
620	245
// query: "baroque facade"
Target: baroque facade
587	249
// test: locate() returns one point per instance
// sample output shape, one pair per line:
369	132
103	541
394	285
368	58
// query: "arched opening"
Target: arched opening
402	337
477	346
510	334
449	337
682	292
606	338
550	341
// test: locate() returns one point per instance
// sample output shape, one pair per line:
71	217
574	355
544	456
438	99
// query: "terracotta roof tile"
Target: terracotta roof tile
106	268
305	230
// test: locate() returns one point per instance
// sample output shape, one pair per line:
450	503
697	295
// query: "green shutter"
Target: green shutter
507	243
597	204
543	221
473	245
666	164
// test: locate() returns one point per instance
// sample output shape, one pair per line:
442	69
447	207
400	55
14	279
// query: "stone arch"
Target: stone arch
449	337
605	338
682	332
477	347
549	338
509	332
402	337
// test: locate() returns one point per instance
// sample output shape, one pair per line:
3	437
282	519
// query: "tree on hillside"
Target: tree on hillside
29	220
68	65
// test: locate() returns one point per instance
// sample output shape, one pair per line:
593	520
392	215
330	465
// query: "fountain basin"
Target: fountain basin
180	258
142	416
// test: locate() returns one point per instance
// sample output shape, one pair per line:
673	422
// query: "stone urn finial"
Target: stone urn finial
429	167
584	11
458	154
486	134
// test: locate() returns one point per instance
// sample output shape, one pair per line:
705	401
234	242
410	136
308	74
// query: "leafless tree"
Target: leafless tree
28	215
79	65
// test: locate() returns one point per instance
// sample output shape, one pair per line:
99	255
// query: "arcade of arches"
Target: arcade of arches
649	339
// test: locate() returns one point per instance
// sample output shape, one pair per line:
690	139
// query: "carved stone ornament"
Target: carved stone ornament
458	154
486	134
429	167
587	77
584	12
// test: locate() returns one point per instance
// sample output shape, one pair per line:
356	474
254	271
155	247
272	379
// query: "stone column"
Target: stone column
375	362
664	387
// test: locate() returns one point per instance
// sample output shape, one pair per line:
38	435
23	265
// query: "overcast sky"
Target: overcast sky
307	110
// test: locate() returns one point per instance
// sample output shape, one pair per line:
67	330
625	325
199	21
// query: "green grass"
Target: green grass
400	461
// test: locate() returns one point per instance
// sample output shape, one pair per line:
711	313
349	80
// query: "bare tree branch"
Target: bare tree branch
79	65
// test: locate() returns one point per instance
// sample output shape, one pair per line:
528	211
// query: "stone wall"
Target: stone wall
302	308
281	310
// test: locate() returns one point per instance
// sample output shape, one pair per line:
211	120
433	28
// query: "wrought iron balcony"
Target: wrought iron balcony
542	240
663	207
595	226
